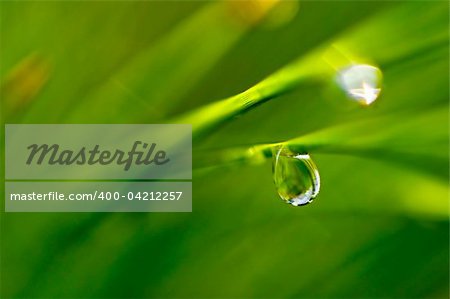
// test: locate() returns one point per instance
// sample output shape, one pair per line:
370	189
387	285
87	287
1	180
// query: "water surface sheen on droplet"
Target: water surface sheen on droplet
361	82
296	177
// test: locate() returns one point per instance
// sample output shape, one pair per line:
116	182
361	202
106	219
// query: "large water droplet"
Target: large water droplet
296	177
361	82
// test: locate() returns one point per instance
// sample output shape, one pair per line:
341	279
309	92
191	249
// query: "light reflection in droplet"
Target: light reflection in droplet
296	177
361	82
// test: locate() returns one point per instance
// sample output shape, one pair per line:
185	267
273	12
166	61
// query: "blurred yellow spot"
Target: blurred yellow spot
281	14
250	12
24	81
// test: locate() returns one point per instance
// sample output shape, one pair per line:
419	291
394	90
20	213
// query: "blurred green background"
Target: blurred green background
378	229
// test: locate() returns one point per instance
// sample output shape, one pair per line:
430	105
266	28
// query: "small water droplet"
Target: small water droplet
361	82
296	176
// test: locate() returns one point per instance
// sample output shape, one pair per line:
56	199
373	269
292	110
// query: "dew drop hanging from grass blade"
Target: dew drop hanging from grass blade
296	177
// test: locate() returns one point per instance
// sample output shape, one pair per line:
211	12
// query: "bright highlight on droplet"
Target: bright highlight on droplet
361	82
296	177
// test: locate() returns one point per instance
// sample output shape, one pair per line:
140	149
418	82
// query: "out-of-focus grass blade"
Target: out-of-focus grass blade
155	80
84	42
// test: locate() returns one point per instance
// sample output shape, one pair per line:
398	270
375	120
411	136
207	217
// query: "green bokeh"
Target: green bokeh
380	225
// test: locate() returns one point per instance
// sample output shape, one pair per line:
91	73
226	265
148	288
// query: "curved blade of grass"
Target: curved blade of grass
209	117
386	141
